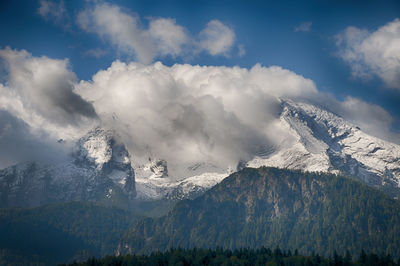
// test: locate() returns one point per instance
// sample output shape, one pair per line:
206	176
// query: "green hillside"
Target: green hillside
311	212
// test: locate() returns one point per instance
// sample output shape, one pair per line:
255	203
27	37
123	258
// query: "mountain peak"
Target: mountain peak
96	146
99	171
324	141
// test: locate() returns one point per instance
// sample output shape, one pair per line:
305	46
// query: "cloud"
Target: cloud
373	53
19	144
96	53
163	37
217	38
119	27
303	27
184	114
54	11
187	114
169	37
40	91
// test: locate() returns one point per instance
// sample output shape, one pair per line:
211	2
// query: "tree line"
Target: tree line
243	256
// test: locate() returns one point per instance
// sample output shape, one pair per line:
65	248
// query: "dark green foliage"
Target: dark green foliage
60	232
308	213
274	207
218	256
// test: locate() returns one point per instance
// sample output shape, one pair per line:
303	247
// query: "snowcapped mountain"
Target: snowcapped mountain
318	141
326	142
100	170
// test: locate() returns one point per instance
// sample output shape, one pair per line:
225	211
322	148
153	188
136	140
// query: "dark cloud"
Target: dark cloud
18	144
44	87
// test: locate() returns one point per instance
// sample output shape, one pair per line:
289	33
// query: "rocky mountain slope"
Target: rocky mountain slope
103	170
319	141
310	212
99	171
326	142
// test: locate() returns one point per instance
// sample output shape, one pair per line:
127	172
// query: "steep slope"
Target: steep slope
318	141
270	207
326	142
102	170
99	171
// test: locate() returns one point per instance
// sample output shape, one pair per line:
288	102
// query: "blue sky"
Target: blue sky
68	66
265	29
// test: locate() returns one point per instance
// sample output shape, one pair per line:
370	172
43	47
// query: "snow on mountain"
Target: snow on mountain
153	182
318	141
326	142
100	170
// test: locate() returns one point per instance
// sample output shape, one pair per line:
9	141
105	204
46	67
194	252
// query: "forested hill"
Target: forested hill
311	212
59	233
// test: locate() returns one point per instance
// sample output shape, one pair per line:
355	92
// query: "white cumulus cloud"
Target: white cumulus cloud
373	53
185	114
217	38
162	37
170	38
120	28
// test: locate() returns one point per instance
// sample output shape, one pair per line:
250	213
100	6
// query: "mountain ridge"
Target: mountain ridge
326	142
276	207
102	169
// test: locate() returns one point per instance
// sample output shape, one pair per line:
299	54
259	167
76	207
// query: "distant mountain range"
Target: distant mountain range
102	170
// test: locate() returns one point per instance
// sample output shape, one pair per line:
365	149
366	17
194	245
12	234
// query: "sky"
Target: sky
66	66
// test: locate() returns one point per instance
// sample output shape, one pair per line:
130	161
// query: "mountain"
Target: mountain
318	141
325	142
100	170
311	212
60	232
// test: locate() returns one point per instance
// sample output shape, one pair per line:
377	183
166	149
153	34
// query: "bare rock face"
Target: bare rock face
100	171
325	142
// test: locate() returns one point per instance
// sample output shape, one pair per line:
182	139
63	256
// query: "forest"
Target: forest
250	257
